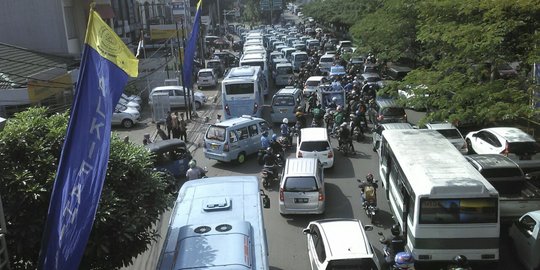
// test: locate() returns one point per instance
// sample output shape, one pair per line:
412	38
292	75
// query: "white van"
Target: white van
298	59
206	77
314	143
301	190
312	83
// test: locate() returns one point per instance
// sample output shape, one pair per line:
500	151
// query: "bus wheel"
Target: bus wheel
241	158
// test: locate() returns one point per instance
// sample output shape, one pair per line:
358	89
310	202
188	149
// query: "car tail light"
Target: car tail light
227	109
321	196
506	149
255	108
330	154
226	147
300	154
281	196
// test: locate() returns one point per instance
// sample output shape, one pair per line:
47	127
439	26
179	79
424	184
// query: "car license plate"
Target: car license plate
214	146
301	200
282	110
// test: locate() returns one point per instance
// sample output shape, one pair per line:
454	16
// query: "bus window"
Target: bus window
448	211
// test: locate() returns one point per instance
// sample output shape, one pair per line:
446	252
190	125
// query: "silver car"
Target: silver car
301	189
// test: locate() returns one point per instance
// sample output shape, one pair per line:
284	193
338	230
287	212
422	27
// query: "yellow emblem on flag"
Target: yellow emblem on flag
109	45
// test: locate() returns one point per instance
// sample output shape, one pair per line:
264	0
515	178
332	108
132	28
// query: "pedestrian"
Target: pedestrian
183	128
175	124
161	133
168	123
218	120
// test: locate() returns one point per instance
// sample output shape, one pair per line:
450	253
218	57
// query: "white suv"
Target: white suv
502	140
340	243
314	143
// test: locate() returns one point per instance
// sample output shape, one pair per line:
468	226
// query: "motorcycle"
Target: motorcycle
369	204
345	147
260	156
269	175
358	134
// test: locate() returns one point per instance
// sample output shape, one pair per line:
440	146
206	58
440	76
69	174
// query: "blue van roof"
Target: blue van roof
238	120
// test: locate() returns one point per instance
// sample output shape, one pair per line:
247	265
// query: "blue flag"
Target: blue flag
105	66
191	47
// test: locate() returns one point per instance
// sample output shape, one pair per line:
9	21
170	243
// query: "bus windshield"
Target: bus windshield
458	211
239	89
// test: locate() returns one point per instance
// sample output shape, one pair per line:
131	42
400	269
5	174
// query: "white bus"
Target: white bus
444	206
242	92
257	60
217	223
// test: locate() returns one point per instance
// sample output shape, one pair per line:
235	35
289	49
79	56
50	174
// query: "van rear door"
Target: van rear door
301	193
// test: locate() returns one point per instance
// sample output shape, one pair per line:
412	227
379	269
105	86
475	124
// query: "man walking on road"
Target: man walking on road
175	124
183	128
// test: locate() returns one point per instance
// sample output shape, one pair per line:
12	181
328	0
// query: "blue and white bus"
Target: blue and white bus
257	59
217	223
242	92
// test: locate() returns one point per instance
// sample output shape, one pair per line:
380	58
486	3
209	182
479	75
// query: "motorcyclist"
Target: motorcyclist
270	161
460	262
275	145
333	104
339	118
345	136
286	131
194	171
395	245
364	185
318	115
300	117
265	142
312	101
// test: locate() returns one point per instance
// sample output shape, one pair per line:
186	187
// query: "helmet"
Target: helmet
274	137
369	177
269	150
461	261
352	115
285	121
404	260
339	108
395	230
192	163
334	99
299	108
344	124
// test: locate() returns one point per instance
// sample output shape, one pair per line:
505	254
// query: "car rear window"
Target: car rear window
501	172
327	59
450	133
312	83
216	133
300	184
283	101
393	111
352	264
205	74
317	146
522	147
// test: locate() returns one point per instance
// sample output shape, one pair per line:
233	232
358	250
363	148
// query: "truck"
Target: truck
517	195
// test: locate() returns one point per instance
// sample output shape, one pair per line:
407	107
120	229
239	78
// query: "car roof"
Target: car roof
492	161
370	74
287	90
345	238
206	70
439	126
512	134
283	65
165	145
315	78
168	87
313	134
534	214
301	166
238	120
389	126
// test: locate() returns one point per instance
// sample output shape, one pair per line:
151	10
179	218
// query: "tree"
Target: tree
133	197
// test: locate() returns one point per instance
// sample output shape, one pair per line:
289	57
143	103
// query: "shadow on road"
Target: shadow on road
343	167
250	166
337	204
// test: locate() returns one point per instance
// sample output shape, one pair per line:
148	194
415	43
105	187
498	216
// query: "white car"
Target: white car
125	116
525	235
206	78
340	243
314	143
134	98
129	103
311	84
325	62
451	133
502	140
176	96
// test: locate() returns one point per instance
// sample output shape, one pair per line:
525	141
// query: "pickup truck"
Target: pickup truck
517	195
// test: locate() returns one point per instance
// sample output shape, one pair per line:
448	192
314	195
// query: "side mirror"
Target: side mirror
306	231
368	228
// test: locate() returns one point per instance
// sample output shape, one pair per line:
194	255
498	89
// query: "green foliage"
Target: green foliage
133	195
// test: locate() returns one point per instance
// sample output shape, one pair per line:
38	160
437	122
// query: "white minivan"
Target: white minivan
301	190
314	143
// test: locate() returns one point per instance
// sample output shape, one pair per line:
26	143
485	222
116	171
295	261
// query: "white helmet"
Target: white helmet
334	99
285	121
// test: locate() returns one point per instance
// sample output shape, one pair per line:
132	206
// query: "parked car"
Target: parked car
340	243
206	77
451	133
134	98
125	116
176	96
525	235
171	156
502	140
217	65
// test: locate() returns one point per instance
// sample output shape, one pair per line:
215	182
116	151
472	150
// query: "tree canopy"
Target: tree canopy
133	197
457	47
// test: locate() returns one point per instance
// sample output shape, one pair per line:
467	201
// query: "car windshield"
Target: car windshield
283	101
216	133
312	83
450	133
301	57
338	69
327	59
314	146
373	79
205	74
393	111
300	184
